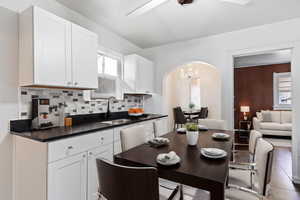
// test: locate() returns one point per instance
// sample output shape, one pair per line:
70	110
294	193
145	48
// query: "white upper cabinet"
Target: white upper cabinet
84	57
139	73
55	52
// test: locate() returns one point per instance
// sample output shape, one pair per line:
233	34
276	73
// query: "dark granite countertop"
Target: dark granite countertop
80	129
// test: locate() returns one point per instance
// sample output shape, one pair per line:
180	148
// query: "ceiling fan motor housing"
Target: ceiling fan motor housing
183	2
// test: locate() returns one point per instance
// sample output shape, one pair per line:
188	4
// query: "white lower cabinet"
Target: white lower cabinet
65	169
67	178
105	152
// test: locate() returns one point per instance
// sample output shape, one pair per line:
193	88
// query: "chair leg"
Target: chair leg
181	192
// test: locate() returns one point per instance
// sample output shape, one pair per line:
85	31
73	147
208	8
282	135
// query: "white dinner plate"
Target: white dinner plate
221	155
181	130
223	136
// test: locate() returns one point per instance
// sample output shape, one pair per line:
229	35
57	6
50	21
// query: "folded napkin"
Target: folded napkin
165	157
160	140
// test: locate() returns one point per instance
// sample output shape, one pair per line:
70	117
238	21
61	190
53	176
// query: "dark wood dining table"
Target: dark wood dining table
194	169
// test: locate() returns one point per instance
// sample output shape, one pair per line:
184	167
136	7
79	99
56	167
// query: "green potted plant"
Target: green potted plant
191	106
192	133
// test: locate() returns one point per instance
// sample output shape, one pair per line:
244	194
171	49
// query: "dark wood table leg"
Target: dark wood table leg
218	193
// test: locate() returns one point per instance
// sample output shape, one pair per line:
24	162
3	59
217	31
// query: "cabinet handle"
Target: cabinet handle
70	147
69	83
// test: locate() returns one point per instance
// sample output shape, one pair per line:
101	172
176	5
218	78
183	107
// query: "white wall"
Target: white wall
176	89
107	39
8	95
218	50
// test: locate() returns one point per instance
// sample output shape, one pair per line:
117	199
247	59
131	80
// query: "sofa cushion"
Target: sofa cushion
276	116
276	126
286	117
266	116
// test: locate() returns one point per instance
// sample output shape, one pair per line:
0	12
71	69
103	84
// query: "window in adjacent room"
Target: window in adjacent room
282	91
195	96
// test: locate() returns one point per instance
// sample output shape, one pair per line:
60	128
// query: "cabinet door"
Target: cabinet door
84	57
67	178
52	49
117	147
105	152
145	75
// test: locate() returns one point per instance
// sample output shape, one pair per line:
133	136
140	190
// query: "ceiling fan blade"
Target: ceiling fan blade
240	2
146	7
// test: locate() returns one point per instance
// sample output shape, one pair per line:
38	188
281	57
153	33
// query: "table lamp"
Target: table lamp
245	110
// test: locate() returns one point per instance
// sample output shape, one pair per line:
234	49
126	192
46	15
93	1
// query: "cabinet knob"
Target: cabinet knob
90	153
102	138
84	156
76	83
69	83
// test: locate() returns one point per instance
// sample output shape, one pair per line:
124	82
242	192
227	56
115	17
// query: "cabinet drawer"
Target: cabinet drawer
63	148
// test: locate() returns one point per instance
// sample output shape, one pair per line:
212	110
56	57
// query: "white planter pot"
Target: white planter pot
192	137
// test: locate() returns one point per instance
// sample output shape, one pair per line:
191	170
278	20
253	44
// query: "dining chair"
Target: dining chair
239	180
213	123
130	183
202	115
179	117
160	128
254	136
132	137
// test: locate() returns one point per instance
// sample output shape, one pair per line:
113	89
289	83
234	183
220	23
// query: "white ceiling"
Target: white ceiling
171	22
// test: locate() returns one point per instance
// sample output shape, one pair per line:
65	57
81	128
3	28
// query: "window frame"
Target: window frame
120	60
276	104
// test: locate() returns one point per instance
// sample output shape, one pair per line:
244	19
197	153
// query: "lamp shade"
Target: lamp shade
245	109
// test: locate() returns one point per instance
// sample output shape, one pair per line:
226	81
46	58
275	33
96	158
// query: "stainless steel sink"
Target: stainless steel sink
116	121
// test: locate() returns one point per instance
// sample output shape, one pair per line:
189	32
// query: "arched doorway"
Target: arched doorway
198	83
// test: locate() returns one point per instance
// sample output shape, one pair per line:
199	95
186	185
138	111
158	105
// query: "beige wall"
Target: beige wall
176	89
8	95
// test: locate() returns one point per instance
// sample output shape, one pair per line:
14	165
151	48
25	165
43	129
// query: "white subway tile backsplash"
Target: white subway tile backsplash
71	102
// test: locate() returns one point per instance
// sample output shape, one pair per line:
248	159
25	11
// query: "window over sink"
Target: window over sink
110	65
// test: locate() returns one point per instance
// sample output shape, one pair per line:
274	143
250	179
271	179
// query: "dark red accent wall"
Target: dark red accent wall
253	86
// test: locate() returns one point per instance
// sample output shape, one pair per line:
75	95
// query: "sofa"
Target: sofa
273	123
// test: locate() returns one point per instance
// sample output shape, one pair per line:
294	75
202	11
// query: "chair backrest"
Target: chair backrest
213	123
160	128
127	183
254	136
264	161
203	113
179	117
132	137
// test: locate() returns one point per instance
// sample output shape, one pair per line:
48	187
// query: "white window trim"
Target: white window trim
276	105
114	55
